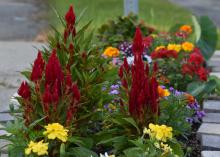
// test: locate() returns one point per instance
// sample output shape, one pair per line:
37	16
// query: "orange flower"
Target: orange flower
186	28
189	98
111	52
163	92
187	46
159	48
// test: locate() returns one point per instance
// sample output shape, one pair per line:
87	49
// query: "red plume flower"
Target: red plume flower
143	94
203	73
76	92
138	46
24	90
38	68
70	16
47	96
53	71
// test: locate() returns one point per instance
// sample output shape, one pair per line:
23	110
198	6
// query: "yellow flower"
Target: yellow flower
187	46
146	131
175	47
163	92
159	48
186	28
160	132
39	148
55	130
111	52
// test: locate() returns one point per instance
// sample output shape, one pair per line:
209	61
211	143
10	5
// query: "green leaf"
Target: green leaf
197	28
82	152
208	40
177	149
82	141
62	150
111	140
133	123
134	152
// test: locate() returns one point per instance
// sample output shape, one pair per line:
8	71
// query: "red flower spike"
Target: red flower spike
121	71
138	46
53	71
70	16
196	58
126	66
76	92
47	97
24	90
55	94
155	67
68	80
38	68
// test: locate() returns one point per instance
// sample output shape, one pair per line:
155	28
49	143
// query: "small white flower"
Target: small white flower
149	59
130	60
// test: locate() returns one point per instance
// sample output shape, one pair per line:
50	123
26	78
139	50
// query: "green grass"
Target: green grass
158	13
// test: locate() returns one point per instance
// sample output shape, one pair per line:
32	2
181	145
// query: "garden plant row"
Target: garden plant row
134	92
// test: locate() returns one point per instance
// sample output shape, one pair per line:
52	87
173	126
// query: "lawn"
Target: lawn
159	13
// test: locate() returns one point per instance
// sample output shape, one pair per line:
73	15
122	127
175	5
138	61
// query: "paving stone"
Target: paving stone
4	155
214	62
4	117
216	69
212	118
208	129
211	106
210	153
210	142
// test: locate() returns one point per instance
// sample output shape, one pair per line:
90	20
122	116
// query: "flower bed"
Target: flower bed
80	102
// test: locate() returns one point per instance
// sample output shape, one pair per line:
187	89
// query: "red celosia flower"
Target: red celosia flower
203	73
53	71
24	90
164	53
138	46
70	16
76	92
38	68
143	93
47	97
68	80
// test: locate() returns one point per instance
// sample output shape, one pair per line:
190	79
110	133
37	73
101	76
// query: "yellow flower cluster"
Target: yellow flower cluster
160	132
186	28
159	48
55	130
187	46
163	92
39	148
111	52
175	47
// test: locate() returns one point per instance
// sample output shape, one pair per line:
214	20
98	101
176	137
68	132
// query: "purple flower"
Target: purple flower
189	120
171	89
114	92
200	114
114	86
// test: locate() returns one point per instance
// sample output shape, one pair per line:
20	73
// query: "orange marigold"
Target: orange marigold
111	52
187	46
190	99
186	28
163	92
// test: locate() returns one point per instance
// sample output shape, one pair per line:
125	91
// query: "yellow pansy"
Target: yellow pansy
111	52
38	148
55	130
159	48
175	47
187	46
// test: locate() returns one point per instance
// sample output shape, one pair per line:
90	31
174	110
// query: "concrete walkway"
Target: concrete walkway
14	58
22	19
210	8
